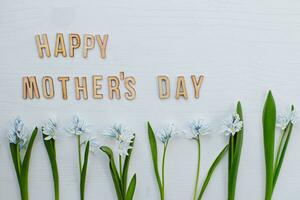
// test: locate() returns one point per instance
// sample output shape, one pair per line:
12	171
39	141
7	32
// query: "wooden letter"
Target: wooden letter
129	85
44	45
164	87
48	87
181	88
113	87
63	80
74	41
81	88
102	44
197	84
97	86
89	43
60	46
30	88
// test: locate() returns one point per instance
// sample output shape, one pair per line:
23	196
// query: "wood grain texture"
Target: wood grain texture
243	48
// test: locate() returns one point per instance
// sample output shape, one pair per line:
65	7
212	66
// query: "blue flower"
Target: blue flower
199	127
120	133
16	134
50	129
232	125
123	137
77	127
165	134
284	119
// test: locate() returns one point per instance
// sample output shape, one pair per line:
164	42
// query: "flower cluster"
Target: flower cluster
17	135
232	125
77	127
165	134
123	137
199	127
284	119
50	129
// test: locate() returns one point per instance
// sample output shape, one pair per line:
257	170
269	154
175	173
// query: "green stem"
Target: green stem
19	163
55	172
279	148
24	195
232	148
163	171
79	153
120	165
121	175
79	162
19	158
269	196
53	145
230	159
198	168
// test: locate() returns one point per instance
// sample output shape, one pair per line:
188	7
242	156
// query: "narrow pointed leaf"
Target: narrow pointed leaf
50	147
153	147
281	158
269	123
131	188
114	172
126	166
25	165
84	170
16	161
211	171
238	143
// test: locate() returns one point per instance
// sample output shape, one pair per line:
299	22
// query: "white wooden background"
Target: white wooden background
244	48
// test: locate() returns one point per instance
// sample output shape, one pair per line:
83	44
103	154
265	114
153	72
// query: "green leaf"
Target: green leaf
269	123
238	143
50	147
153	147
114	172
84	170
131	188
211	170
126	166
14	150
25	165
282	153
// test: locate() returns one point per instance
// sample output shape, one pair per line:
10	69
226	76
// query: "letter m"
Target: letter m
30	88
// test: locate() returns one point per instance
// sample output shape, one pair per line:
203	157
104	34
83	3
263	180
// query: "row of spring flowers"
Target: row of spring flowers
21	145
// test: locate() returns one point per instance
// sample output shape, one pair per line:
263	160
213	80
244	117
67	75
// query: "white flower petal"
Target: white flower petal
284	119
232	125
165	134
122	148
16	134
77	127
199	127
50	129
120	133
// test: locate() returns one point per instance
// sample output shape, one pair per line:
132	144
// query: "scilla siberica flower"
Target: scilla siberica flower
50	129
284	119
77	127
165	134
123	136
16	134
232	125
199	127
120	133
